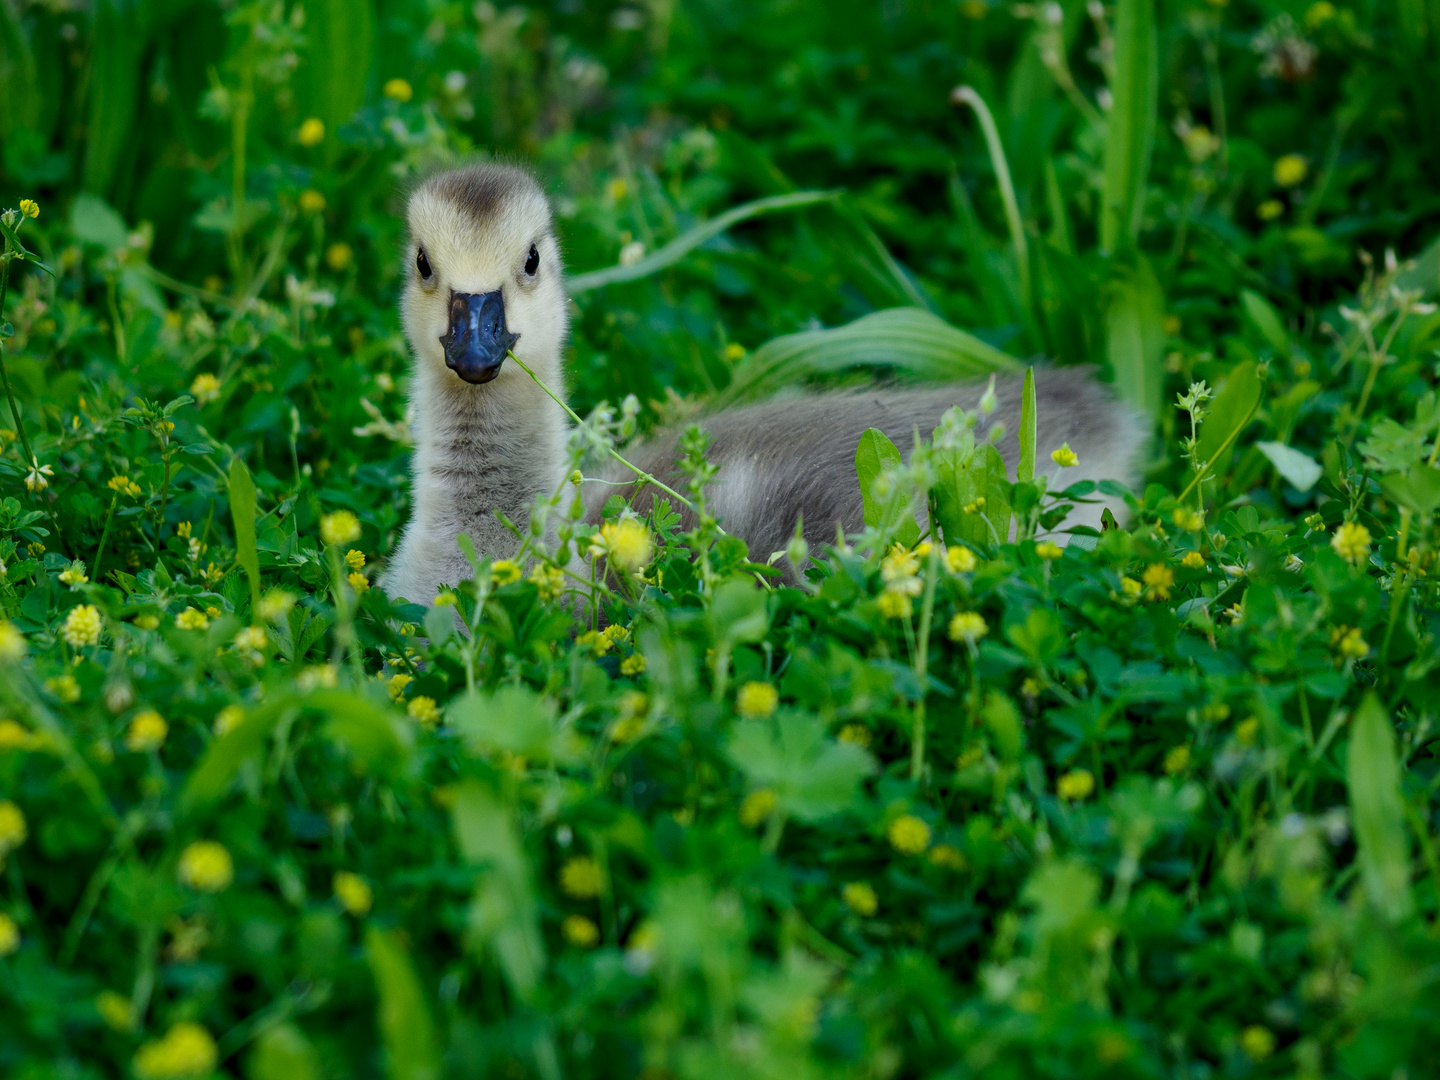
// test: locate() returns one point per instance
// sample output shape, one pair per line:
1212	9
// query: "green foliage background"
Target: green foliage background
1169	809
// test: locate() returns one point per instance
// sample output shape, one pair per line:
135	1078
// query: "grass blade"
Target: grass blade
1025	471
1135	332
1130	135
1372	773
902	340
242	510
692	238
405	1021
966	95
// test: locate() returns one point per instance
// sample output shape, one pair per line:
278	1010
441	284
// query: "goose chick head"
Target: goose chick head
484	277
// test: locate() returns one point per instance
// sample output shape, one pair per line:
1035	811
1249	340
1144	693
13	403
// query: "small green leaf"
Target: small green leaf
1300	470
1266	319
283	1053
873	455
242	512
1233	407
812	776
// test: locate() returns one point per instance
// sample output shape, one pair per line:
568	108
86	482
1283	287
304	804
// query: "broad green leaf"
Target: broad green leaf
1300	470
1025	471
1135	331
439	624
242	511
503	915
331	80
961	482
512	718
1040	637
812	776
94	221
1372	773
903	340
223	758
1130	128
737	612
406	1026
873	455
1232	408
1266	319
1418	489
283	1053
375	735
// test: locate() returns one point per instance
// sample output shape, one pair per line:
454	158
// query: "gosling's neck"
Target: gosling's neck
478	450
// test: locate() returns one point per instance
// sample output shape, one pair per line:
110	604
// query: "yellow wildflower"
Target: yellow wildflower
860	897
398	90
580	877
1065	457
894	605
1351	542
580	931
205	388
1346	640
1193	560
968	626
147	732
1131	587
206	867
1159	579
855	734
147	622
909	835
64	687
13	830
424	711
1258	1042
1247	731
625	543
504	571
353	892
1290	170
252	637
74	574
186	1051
549	580
312	132
14	737
359	582
1187	519
758	806
355	559
9	935
734	351
311	201
1270	209
960	559
1076	784
1177	759
341	527
628	728
632	665
29	208
275	605
1048	550
192	619
397	685
339	255
37	478
227	720
115	1010
756	699
12	642
81	626
946	856
1319	14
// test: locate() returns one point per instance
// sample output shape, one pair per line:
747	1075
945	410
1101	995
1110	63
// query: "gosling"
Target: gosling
485	277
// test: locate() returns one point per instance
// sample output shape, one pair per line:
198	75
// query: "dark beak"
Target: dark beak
476	344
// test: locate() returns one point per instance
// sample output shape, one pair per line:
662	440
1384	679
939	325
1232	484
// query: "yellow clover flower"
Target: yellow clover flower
339	255
1049	550
758	806
341	527
353	892
1177	759
192	619
205	388
29	208
227	720
12	642
1258	1042
1291	170
81	626
580	877
355	559
311	201
398	90
1159	579
186	1051
1351	542
860	897
424	711
504	571
756	699
1076	784
13	830
625	543
580	931
206	866
9	935
909	835
312	132
147	732
968	626
1065	457
960	559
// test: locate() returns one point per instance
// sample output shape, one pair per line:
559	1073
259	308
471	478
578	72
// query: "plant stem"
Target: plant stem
922	661
5	372
104	536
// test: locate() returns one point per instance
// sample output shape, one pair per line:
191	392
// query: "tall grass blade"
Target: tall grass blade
242	511
1135	332
113	91
341	36
1025	471
1130	134
967	95
405	1022
1372	773
905	340
692	238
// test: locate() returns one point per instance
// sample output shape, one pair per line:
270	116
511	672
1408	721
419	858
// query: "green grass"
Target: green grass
1161	804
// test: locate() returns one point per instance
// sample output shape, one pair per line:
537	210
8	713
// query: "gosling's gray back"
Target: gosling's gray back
781	461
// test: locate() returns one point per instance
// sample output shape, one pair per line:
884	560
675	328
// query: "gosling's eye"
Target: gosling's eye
423	264
532	262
